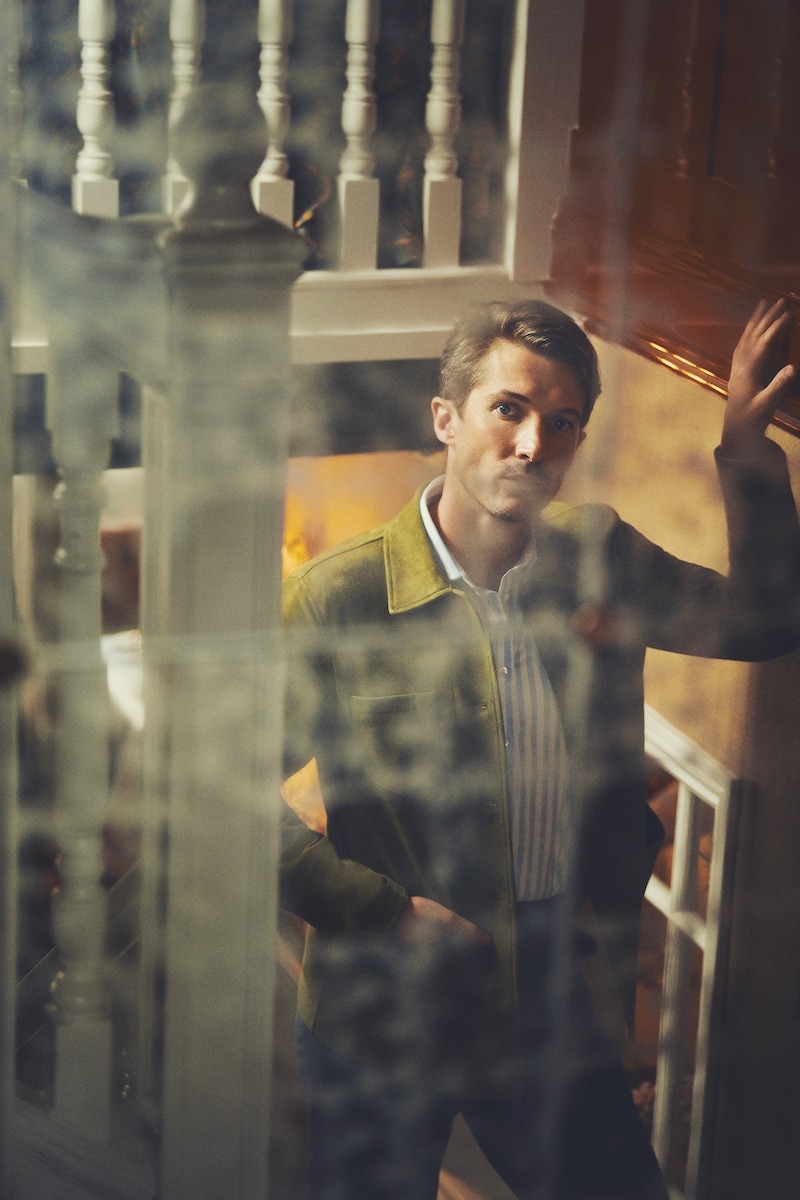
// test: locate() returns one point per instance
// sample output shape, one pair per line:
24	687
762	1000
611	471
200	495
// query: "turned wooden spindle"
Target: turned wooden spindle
358	189
273	192
95	192
442	187
187	19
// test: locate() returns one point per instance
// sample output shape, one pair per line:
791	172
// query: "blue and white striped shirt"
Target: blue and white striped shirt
536	755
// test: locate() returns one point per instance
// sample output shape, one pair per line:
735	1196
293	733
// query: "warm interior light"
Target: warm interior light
331	499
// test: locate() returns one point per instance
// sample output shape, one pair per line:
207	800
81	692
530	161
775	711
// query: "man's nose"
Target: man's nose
529	439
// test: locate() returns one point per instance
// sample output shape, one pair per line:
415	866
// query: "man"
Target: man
469	679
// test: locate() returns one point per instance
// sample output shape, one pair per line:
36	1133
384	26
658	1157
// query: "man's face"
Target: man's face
510	446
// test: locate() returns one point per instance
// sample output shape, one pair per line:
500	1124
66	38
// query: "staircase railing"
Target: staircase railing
415	134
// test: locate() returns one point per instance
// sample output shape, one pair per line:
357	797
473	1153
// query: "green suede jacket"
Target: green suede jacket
392	688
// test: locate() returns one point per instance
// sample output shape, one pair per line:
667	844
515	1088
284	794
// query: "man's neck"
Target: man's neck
484	546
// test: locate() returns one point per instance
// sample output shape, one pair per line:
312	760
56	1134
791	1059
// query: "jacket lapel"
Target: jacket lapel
414	575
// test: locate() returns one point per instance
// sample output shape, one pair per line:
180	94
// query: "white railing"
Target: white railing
362	313
96	191
691	928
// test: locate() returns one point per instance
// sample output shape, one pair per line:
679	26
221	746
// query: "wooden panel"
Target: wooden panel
682	204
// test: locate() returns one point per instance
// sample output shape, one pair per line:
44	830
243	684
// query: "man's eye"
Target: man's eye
562	424
505	408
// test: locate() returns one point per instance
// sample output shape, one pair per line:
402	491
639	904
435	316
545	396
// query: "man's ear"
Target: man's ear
444	414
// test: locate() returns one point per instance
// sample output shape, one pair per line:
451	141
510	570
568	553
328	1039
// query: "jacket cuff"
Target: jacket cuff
769	462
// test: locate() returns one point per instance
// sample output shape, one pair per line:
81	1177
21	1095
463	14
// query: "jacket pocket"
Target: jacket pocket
404	741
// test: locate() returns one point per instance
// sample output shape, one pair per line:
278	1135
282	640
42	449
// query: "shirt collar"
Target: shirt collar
432	493
453	571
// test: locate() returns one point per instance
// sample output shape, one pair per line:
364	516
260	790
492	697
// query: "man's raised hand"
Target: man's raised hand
760	379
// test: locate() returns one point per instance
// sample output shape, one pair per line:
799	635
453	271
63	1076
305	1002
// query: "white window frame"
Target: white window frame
701	780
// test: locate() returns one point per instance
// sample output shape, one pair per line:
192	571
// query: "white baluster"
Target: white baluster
442	187
187	26
358	190
81	414
273	193
94	192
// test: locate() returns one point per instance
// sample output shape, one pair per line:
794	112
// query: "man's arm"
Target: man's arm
763	534
337	895
332	893
754	613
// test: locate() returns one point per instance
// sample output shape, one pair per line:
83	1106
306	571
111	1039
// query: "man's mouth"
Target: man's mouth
533	472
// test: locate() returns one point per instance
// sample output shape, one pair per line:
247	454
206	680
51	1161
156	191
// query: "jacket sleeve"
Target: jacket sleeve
751	614
332	893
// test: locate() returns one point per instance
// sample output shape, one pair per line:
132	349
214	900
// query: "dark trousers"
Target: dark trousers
574	1135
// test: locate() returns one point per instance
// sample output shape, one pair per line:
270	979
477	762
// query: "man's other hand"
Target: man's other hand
760	379
424	919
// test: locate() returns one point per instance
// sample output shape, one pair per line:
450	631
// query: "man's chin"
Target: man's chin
515	513
525	508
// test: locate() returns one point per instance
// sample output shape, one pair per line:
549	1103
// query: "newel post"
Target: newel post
214	522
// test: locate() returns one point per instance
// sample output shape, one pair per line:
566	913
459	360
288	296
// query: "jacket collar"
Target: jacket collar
414	575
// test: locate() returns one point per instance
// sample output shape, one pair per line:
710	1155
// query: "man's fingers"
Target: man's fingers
755	318
778	388
776	326
763	347
425	918
765	319
760	378
772	315
472	932
445	921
